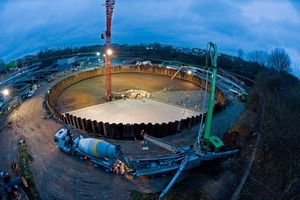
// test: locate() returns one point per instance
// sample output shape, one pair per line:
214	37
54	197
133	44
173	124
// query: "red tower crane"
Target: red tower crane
109	5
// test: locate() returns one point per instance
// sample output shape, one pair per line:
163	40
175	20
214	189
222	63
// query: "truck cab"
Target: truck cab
30	93
62	138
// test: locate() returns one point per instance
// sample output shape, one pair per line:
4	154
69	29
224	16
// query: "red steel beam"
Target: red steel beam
109	5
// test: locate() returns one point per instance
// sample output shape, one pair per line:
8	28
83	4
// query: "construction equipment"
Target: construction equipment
12	187
109	5
206	147
209	141
138	63
101	153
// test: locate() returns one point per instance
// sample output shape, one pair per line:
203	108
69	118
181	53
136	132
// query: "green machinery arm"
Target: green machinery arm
208	140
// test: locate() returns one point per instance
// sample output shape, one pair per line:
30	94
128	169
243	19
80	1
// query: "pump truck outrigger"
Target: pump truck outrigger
101	153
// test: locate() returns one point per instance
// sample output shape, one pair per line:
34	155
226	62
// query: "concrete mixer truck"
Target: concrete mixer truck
99	152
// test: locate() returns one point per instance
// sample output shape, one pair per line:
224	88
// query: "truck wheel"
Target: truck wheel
96	165
107	169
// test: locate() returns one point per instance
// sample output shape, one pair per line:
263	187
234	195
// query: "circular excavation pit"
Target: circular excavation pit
158	105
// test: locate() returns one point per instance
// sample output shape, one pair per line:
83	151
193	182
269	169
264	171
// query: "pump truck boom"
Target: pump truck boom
209	141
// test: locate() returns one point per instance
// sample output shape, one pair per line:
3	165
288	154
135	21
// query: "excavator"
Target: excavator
206	147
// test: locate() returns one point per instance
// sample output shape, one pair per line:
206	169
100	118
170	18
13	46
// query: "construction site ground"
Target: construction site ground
61	176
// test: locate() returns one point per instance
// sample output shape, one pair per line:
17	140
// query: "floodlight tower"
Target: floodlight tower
109	5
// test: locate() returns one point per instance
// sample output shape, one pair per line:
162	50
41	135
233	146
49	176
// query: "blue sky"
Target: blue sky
27	26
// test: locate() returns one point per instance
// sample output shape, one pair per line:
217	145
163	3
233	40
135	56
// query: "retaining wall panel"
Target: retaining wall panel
65	120
79	122
182	124
85	124
93	127
130	131
164	130
120	131
137	130
75	122
72	120
107	129
134	129
193	122
100	125
89	125
96	125
149	128
155	132
68	118
113	128
177	125
188	122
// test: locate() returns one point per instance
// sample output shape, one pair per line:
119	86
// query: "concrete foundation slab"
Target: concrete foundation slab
134	111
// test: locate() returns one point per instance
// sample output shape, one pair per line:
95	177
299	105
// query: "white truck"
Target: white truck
143	63
30	93
99	152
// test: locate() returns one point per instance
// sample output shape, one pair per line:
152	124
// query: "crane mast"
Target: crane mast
109	6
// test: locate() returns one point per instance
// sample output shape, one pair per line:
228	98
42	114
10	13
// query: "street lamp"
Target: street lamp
109	52
5	92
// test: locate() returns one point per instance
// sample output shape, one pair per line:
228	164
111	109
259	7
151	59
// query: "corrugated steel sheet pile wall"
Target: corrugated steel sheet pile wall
126	131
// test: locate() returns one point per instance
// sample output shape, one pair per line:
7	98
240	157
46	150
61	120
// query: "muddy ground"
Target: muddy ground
92	91
60	176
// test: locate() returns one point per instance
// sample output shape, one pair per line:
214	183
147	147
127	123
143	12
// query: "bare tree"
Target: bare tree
297	70
259	56
280	60
240	53
2	65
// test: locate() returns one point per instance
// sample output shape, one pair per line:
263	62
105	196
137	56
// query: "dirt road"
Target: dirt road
60	176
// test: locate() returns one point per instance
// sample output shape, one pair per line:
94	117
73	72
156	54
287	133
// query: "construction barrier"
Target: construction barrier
127	131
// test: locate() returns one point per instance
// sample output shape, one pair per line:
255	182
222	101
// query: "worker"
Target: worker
143	134
13	165
117	168
144	144
1	174
6	178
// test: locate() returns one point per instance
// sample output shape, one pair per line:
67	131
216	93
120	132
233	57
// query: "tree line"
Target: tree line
256	60
275	103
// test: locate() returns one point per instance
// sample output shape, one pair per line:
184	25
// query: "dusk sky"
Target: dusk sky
27	26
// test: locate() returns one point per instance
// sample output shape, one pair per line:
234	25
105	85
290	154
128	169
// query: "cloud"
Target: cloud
31	25
256	11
